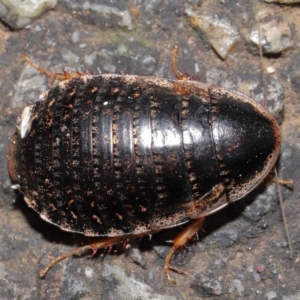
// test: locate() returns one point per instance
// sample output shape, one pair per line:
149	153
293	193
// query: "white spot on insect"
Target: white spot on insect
15	186
64	128
105	103
75	163
88	272
25	124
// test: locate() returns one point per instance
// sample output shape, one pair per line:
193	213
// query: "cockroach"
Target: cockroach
124	156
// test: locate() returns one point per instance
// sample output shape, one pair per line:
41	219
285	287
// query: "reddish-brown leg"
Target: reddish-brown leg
282	181
182	238
102	243
54	75
179	75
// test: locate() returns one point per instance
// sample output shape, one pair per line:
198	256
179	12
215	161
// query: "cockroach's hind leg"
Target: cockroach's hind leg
103	243
182	238
43	273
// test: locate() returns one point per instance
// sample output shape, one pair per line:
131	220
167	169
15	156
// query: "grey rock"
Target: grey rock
263	204
111	14
271	295
18	13
273	33
221	33
137	256
236	287
130	288
206	284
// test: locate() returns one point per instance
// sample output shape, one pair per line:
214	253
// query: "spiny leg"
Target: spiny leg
54	75
103	243
182	238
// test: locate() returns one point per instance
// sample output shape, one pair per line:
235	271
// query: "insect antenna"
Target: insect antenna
277	181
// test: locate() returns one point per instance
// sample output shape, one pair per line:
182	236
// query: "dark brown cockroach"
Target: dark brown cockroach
124	156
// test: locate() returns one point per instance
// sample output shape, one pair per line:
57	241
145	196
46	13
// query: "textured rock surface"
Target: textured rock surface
242	252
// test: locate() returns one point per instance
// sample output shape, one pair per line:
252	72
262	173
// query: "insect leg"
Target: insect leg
65	75
103	243
179	75
289	182
182	238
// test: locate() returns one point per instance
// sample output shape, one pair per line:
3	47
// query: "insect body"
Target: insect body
122	155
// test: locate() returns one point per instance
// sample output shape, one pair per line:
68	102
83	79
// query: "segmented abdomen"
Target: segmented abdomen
112	154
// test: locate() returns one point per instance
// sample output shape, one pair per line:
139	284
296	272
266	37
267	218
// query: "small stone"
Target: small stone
75	37
264	203
271	70
88	272
236	287
271	295
109	12
29	8
256	277
205	284
19	13
70	57
220	32
137	256
273	34
90	59
128	287
30	84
